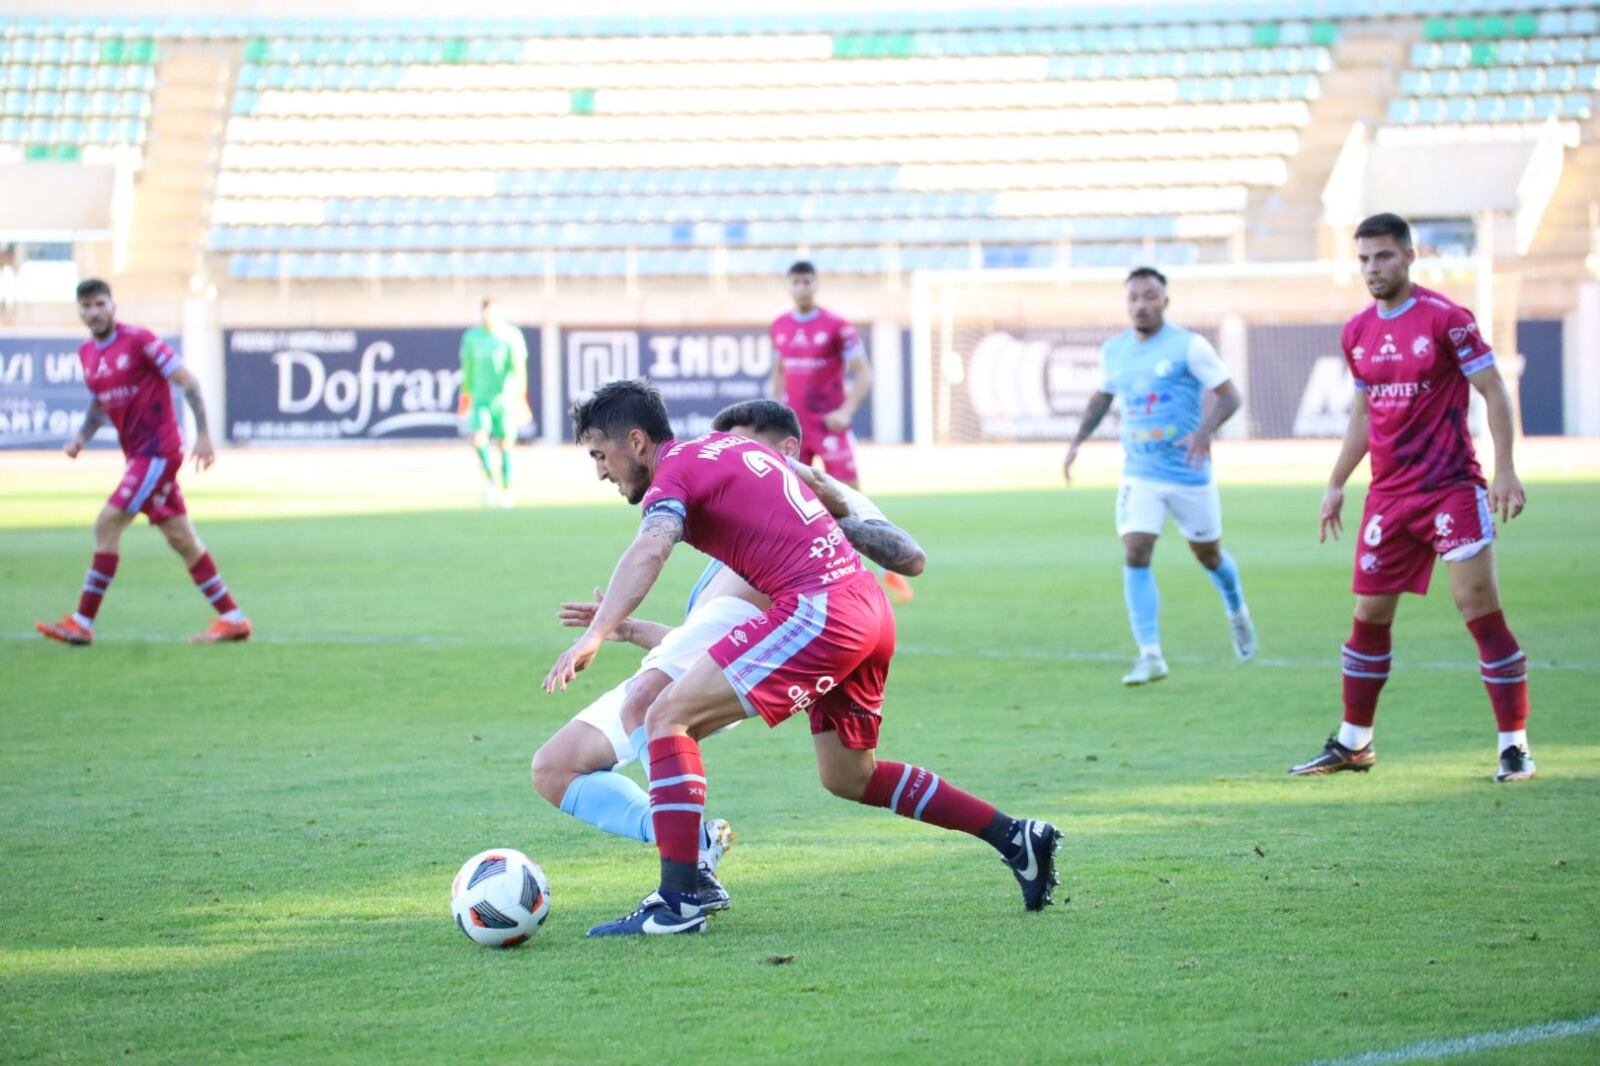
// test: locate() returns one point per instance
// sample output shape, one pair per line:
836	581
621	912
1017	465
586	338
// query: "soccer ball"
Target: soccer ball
500	897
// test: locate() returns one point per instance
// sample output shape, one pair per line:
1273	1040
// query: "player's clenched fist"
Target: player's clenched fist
1332	504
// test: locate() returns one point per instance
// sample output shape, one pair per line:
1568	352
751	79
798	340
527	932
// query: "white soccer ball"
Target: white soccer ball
500	897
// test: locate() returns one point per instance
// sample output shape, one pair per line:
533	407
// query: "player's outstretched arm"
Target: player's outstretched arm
204	454
578	615
93	419
885	544
1351	453
635	573
1506	496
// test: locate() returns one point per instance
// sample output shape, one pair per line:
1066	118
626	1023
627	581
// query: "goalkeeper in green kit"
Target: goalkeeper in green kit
494	395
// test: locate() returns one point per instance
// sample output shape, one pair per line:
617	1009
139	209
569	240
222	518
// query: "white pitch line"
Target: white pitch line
1467	1045
1048	655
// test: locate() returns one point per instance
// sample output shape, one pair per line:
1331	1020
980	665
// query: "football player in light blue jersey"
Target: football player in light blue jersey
1163	374
576	770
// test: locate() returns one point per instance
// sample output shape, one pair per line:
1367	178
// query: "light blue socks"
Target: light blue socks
611	801
1144	605
1226	578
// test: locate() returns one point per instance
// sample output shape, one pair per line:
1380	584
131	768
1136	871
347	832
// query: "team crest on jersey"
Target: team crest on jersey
821	336
1369	563
1443	524
1459	334
122	362
1421	347
739	636
1163	368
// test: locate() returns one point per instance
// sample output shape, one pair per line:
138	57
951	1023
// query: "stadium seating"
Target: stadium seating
983	144
1522	68
69	93
685	145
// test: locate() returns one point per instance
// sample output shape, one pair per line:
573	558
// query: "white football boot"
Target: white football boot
1243	632
1146	669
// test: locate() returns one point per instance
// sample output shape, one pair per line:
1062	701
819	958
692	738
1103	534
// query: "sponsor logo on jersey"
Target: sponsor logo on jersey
1357	352
1394	390
1459	334
1388	351
828	545
1421	347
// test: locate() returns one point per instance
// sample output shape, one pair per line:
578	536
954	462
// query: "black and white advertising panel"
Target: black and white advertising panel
312	385
42	395
699	371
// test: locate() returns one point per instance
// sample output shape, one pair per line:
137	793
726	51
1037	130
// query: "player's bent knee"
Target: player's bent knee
551	774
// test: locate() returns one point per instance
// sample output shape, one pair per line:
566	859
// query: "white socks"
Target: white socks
1149	651
1355	737
1516	739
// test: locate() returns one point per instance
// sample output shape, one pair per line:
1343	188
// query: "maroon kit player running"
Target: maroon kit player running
1413	354
813	350
823	646
128	370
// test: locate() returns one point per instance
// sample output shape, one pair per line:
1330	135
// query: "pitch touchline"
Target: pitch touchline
436	640
1467	1045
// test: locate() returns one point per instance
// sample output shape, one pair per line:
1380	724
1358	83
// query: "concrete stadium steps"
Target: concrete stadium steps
176	187
1285	223
1570	223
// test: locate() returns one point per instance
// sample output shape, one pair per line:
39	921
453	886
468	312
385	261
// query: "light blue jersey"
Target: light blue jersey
1161	383
713	568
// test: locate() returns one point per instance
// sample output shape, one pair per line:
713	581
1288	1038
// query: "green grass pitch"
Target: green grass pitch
242	854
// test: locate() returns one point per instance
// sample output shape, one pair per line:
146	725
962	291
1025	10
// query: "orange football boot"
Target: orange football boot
898	587
223	630
67	631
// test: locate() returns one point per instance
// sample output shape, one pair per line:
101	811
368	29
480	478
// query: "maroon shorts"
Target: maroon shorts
837	449
149	486
826	653
1403	533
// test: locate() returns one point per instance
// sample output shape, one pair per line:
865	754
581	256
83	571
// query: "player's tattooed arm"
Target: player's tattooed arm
885	544
1096	410
191	392
663	525
1093	413
93	419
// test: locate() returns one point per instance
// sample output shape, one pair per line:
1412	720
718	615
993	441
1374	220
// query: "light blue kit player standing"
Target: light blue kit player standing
1162	374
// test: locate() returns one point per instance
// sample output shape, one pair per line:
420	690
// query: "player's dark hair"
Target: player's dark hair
1387	224
762	416
803	266
92	287
621	406
1146	272
488	302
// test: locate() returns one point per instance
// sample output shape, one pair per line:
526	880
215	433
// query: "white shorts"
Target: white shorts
707	623
1142	507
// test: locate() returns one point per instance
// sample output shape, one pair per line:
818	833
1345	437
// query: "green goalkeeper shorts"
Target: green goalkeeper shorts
490	418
